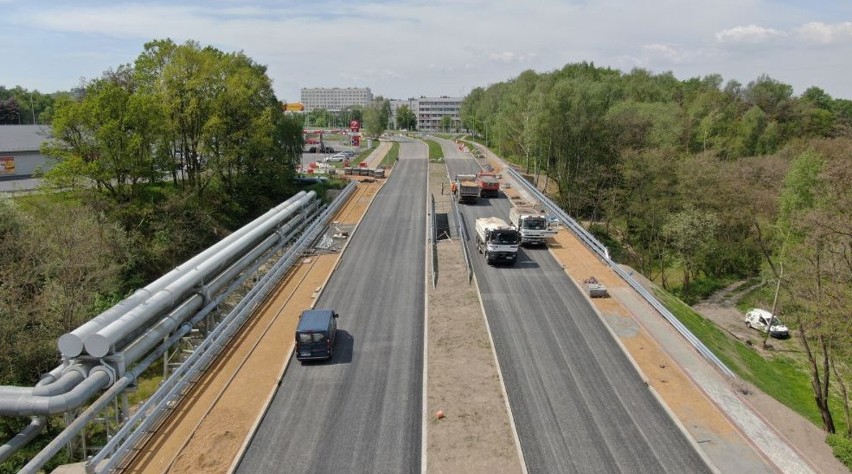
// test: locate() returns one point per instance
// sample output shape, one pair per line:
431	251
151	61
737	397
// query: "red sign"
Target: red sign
354	126
356	140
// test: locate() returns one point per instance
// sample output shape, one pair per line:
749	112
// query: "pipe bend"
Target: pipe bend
31	405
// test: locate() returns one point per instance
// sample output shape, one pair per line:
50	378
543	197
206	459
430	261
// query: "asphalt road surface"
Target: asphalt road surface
362	411
577	402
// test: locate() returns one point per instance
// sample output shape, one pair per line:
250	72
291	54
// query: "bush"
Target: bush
841	446
616	250
700	289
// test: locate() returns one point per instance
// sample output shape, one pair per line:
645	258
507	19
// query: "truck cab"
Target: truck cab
497	240
534	226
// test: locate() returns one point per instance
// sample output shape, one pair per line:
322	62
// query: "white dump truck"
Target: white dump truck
497	240
533	225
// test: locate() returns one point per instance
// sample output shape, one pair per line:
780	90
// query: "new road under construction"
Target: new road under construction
444	363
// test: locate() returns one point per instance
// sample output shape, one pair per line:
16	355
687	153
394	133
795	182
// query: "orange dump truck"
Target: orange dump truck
489	184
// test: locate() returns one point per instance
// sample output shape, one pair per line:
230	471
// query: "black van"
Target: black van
315	334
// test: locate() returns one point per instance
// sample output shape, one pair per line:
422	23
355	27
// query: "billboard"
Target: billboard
7	165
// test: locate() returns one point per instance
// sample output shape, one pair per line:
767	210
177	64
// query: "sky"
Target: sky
412	48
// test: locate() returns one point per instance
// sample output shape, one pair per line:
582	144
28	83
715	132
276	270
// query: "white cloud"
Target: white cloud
821	33
402	48
510	57
664	52
751	34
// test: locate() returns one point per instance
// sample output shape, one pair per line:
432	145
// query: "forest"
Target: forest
699	183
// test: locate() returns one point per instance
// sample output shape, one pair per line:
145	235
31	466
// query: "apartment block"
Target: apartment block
336	98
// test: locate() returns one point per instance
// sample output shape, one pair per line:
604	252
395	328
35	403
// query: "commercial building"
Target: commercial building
335	98
19	150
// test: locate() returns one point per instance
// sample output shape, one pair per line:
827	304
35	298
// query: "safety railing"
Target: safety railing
433	236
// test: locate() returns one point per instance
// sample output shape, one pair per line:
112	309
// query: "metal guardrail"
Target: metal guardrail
596	246
138	426
464	238
433	235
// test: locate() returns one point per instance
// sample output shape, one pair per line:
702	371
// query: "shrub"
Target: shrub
841	446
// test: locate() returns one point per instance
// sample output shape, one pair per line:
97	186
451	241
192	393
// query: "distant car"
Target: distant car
328	149
312	149
310	179
763	321
335	158
348	153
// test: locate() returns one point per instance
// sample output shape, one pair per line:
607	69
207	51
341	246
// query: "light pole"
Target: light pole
32	107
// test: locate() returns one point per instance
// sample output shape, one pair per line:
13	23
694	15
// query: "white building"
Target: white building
20	156
430	111
335	98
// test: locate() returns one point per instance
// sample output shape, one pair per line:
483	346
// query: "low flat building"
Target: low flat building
20	156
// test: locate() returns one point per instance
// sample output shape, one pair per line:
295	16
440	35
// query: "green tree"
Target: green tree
405	118
58	261
446	123
819	272
375	118
691	235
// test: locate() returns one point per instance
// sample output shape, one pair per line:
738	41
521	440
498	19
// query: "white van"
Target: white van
763	321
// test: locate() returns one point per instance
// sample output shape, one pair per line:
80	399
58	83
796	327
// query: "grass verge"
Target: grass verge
391	156
435	151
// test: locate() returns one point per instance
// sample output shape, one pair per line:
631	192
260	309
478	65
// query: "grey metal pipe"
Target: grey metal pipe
23	438
71	344
155	334
36	425
50	405
52	448
51	384
102	342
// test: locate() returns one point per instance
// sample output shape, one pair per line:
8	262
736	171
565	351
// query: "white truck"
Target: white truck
533	225
497	240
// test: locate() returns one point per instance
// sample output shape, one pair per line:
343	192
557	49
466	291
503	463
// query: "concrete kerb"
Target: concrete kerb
268	401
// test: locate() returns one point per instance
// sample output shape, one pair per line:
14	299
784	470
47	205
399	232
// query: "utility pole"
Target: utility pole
32	107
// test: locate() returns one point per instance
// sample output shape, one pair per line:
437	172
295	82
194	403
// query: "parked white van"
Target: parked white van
763	321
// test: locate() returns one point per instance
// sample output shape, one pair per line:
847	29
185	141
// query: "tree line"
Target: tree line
697	183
